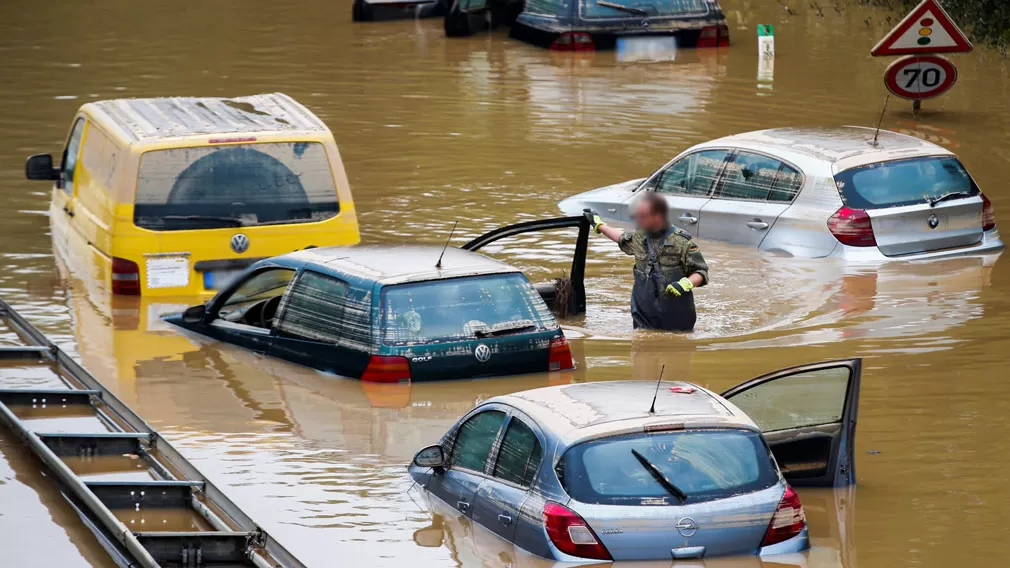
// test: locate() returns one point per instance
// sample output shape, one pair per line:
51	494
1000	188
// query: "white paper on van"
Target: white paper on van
167	271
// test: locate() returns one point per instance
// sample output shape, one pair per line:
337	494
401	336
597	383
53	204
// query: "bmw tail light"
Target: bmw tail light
570	533
125	277
383	369
560	357
573	41
852	227
789	519
988	214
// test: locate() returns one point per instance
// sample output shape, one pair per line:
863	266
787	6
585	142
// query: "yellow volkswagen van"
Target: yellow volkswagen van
174	196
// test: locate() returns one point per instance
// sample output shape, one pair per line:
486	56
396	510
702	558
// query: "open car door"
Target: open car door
808	416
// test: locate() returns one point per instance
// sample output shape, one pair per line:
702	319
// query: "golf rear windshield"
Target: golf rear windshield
210	187
463	308
904	182
704	464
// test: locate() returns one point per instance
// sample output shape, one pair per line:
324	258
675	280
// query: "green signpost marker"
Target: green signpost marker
766	30
766	41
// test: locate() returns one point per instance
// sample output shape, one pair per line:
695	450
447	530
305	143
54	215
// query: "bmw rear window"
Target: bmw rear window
904	182
704	465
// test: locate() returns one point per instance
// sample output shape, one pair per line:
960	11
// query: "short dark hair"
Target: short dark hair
656	203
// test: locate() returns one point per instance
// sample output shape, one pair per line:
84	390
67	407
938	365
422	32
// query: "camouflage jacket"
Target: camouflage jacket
679	251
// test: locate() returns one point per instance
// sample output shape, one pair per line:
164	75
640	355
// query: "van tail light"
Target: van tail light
125	277
382	369
573	41
560	357
570	533
988	214
788	521
852	227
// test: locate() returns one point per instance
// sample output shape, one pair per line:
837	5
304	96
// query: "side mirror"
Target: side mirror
194	314
432	456
40	167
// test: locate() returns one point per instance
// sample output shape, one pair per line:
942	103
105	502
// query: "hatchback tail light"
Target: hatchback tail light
570	533
988	214
714	36
383	369
125	277
788	521
560	357
852	227
573	41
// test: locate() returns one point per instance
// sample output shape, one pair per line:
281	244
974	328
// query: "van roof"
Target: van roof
145	120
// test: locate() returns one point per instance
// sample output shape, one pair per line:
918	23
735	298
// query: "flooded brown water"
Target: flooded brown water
489	131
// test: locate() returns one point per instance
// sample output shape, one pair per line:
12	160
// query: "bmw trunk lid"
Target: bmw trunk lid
922	228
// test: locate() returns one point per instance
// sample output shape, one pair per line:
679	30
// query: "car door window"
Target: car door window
70	155
786	186
749	176
324	308
255	300
806	399
693	174
475	439
519	456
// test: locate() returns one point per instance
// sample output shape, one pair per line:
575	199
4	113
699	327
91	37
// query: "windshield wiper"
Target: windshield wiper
952	195
229	221
660	478
622	7
505	327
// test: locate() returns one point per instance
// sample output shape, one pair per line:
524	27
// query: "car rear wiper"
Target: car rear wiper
660	478
952	195
230	221
505	327
622	7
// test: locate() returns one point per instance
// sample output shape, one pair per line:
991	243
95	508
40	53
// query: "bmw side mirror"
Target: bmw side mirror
40	167
194	314
432	456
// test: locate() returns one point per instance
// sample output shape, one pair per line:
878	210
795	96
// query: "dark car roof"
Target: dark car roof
394	264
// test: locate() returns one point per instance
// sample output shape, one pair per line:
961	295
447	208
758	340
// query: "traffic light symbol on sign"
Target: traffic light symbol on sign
926	29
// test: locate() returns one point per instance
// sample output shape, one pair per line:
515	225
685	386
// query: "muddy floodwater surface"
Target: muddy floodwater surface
488	131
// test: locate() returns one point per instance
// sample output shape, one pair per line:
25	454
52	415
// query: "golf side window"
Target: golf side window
254	301
808	416
519	456
475	439
692	175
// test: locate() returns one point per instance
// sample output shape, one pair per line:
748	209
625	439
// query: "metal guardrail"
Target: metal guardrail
230	538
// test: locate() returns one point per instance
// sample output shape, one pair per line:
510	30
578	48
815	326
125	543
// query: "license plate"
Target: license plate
218	279
659	48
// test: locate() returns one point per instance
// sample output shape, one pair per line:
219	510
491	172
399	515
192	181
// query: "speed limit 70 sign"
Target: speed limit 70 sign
918	77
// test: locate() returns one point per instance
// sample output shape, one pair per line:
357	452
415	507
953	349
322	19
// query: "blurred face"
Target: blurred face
647	220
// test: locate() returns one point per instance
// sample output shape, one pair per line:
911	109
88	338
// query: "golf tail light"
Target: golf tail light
852	227
560	357
125	277
383	369
573	41
988	214
788	521
570	533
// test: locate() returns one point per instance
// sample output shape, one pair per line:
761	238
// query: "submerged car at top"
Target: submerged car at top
173	196
593	472
816	192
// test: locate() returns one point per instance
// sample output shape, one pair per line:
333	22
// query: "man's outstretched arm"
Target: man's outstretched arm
602	228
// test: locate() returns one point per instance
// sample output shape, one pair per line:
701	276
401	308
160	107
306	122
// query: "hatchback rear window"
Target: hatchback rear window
234	186
904	182
463	308
704	464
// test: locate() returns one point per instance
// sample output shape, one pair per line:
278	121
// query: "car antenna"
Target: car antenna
652	409
439	263
880	121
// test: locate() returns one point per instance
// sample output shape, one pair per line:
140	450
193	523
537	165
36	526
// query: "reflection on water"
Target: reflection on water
488	131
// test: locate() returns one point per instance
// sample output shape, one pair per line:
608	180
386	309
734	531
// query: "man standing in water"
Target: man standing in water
668	266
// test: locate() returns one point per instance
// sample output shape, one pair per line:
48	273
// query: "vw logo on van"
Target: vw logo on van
687	527
482	353
933	221
240	243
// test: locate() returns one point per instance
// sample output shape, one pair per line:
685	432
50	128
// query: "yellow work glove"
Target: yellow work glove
595	221
680	287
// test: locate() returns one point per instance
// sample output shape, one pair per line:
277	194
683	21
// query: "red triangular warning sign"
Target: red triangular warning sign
926	29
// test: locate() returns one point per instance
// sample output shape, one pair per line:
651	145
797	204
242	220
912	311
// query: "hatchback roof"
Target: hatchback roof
145	120
394	264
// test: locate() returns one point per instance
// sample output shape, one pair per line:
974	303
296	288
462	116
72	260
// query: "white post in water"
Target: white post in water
766	55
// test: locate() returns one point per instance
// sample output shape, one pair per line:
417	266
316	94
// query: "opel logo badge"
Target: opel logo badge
240	243
933	221
687	527
482	353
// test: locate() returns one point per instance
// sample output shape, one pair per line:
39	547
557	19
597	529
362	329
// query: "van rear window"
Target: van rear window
703	464
244	185
904	182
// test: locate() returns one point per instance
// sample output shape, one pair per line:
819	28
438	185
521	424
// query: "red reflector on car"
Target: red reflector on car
125	277
560	357
383	369
988	214
570	533
789	519
852	227
231	140
573	41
